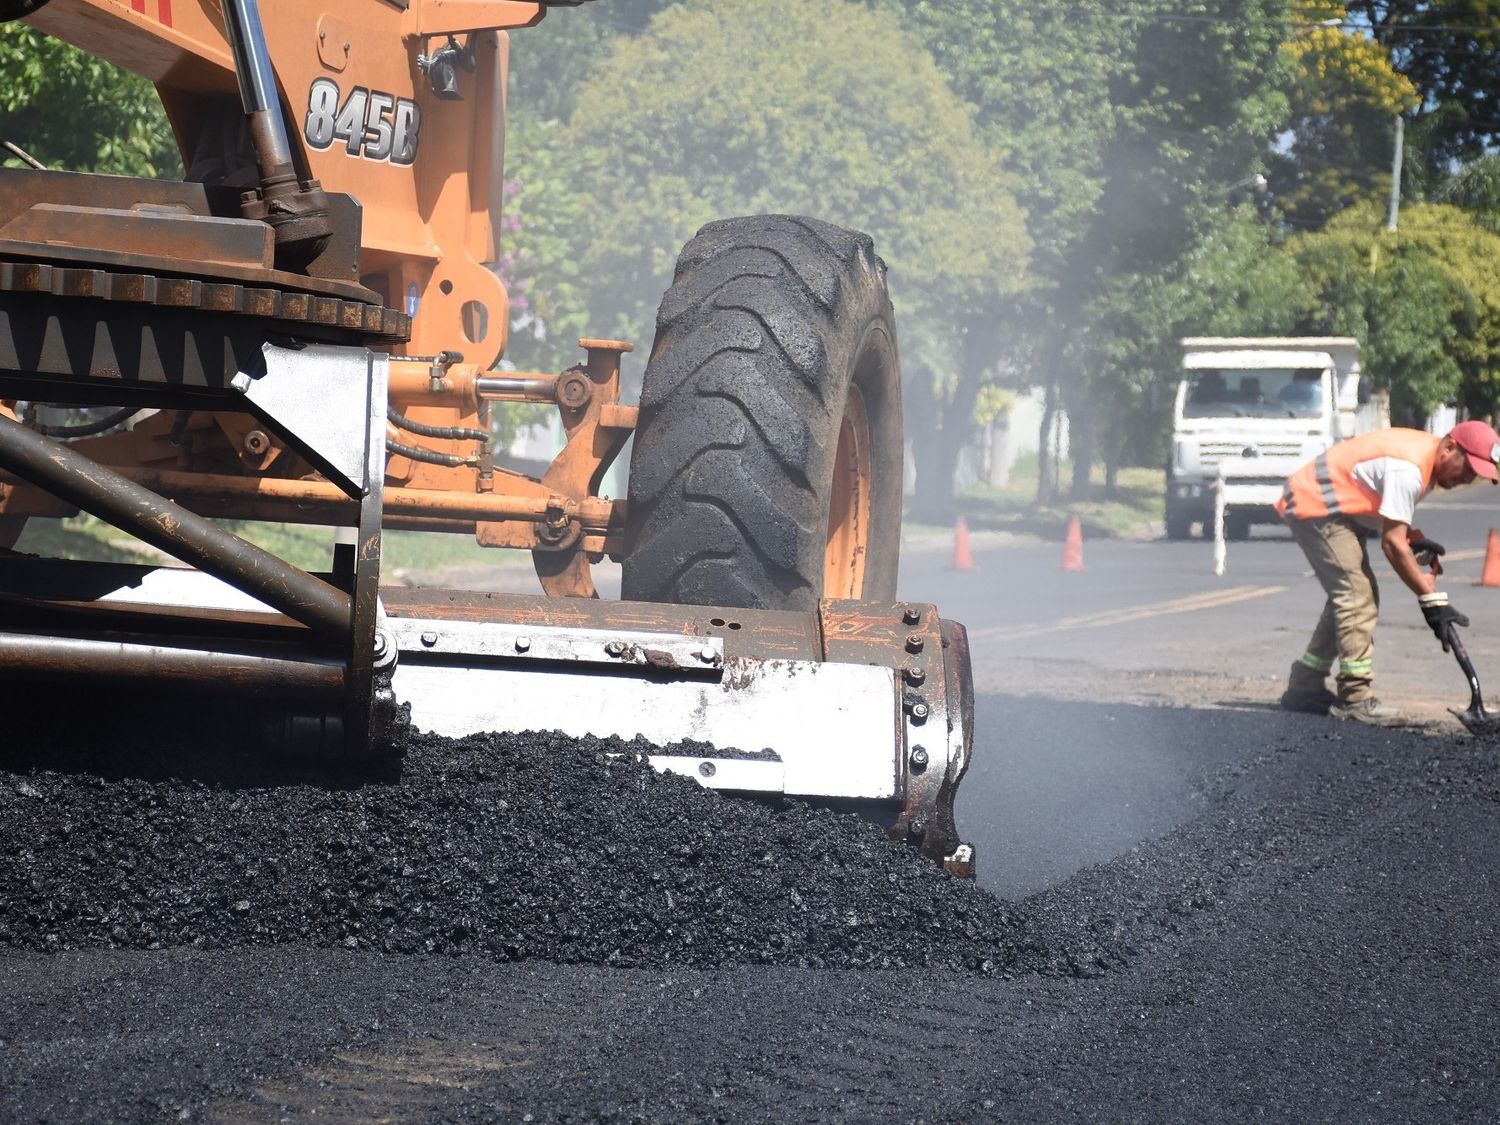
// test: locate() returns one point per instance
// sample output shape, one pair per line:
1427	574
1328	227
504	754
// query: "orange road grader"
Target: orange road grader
307	330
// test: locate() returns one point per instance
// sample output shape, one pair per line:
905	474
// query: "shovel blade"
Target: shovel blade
1477	720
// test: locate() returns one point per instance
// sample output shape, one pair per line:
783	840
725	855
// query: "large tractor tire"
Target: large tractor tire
766	471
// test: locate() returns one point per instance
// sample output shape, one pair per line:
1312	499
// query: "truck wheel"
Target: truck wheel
1179	524
766	471
1237	526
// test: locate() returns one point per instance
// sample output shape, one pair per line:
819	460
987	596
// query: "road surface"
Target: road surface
1193	905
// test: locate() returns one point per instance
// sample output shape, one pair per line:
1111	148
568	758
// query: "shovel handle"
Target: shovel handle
1476	697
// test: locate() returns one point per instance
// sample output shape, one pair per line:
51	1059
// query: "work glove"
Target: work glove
1427	551
1440	615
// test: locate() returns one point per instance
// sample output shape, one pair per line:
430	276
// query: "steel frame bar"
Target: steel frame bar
320	502
155	662
168	527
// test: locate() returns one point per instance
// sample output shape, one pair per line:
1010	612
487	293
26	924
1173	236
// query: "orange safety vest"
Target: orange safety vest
1325	486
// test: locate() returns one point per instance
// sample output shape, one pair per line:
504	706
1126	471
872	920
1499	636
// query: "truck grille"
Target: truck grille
1212	452
1273	482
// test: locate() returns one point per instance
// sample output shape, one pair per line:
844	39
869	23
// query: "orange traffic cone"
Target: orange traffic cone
1073	547
1491	574
962	559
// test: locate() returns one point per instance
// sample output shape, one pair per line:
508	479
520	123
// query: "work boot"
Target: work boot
1314	700
1371	712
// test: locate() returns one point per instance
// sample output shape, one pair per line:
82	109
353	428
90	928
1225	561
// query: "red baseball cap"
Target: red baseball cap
1481	443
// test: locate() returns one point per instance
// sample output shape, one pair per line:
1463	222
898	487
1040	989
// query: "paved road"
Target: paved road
1092	683
1257	914
1148	621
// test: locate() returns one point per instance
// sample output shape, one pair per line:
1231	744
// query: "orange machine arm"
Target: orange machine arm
364	118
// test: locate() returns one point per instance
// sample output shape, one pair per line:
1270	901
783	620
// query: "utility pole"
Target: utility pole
1390	215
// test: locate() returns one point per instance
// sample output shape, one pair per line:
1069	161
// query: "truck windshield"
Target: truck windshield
1263	392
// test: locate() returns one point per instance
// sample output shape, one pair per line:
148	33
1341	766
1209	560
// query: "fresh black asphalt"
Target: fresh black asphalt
1277	917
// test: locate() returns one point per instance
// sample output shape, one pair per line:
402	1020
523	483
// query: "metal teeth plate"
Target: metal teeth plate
279	305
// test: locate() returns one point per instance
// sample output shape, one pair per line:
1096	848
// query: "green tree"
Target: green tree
1040	78
1468	254
551	61
1232	281
1344	96
1128	121
823	108
72	111
1450	51
1193	112
1475	188
1424	302
538	236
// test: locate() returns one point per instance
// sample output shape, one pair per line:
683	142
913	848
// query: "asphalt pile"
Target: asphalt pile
508	846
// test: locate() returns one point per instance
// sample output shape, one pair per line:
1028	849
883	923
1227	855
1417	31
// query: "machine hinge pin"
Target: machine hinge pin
429	639
615	648
523	644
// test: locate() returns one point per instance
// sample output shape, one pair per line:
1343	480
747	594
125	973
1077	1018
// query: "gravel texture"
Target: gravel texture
509	847
1320	940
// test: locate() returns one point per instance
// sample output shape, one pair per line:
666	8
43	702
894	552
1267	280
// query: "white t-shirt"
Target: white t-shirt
1397	481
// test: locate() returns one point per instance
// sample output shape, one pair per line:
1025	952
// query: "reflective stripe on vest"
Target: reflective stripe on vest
1325	486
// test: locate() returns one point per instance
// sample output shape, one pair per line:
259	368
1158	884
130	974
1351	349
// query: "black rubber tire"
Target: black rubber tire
1179	524
769	323
1237	527
18	9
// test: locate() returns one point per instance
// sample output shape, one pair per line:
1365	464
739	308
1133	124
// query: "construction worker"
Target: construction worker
1367	485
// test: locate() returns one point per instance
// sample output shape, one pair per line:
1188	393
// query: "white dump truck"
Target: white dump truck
1258	407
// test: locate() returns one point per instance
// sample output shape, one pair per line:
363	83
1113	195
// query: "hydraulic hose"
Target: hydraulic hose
87	429
422	429
427	456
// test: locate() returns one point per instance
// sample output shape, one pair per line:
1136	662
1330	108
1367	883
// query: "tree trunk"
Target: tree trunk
942	425
1114	447
934	456
1080	442
1046	462
933	501
997	466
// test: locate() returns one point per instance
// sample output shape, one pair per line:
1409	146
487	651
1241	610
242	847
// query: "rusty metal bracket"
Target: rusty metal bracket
584	394
937	704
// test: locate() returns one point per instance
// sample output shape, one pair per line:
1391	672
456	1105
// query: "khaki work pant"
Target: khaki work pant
1346	631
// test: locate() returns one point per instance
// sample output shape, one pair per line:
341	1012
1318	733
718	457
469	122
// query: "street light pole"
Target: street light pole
1395	206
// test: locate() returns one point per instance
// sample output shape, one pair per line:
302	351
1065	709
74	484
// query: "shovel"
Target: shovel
1476	718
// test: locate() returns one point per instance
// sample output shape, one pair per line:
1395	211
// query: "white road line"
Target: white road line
1129	614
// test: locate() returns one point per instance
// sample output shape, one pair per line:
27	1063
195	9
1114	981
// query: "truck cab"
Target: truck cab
1253	410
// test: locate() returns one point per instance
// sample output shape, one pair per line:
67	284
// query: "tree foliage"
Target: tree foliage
1344	96
75	112
1450	51
1039	78
1194	111
1424	302
538	237
1475	188
1231	281
824	108
551	61
1469	255
818	108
